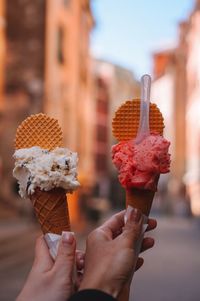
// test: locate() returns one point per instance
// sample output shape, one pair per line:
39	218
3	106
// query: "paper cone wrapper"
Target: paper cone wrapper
51	210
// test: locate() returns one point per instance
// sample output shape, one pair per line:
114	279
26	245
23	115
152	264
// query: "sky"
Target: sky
127	32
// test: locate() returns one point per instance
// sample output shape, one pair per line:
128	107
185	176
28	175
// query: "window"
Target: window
102	133
102	106
60	40
101	162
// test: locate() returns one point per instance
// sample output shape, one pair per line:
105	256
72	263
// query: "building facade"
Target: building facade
2	51
169	92
112	86
68	75
47	68
177	74
192	177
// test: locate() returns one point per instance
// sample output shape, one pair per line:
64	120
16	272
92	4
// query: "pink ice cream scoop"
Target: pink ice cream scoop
140	164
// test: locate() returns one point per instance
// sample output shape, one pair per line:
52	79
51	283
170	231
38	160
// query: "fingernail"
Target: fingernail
81	256
68	237
128	213
133	215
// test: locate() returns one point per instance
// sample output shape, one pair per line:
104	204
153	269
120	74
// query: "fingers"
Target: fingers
113	226
147	243
79	279
43	260
139	263
152	224
132	230
80	260
65	259
80	263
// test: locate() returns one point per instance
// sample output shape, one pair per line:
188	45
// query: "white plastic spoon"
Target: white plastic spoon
143	129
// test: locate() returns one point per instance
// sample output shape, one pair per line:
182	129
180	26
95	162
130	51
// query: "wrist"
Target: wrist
106	287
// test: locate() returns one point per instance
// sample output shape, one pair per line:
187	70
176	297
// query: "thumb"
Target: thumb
132	230
65	259
43	260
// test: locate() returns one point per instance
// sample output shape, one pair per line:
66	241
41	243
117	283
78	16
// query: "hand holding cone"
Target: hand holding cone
134	121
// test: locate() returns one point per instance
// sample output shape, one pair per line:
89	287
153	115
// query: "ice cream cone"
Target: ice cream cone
125	127
51	209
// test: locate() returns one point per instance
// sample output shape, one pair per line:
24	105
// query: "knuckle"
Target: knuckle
92	235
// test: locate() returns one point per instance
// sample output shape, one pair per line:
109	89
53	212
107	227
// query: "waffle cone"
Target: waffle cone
51	210
140	199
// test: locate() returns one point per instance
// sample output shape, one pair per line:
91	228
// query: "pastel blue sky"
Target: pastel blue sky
128	31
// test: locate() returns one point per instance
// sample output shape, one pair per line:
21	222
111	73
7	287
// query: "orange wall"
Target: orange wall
193	113
68	89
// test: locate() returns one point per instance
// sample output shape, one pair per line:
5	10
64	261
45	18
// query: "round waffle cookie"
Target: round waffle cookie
39	130
127	118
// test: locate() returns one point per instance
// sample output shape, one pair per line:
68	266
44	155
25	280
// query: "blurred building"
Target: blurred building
68	76
112	86
163	94
163	89
169	91
48	69
176	89
192	177
2	50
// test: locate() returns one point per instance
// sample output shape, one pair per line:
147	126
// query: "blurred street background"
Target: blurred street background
77	61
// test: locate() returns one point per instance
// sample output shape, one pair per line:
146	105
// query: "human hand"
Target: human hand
49	280
147	242
111	255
